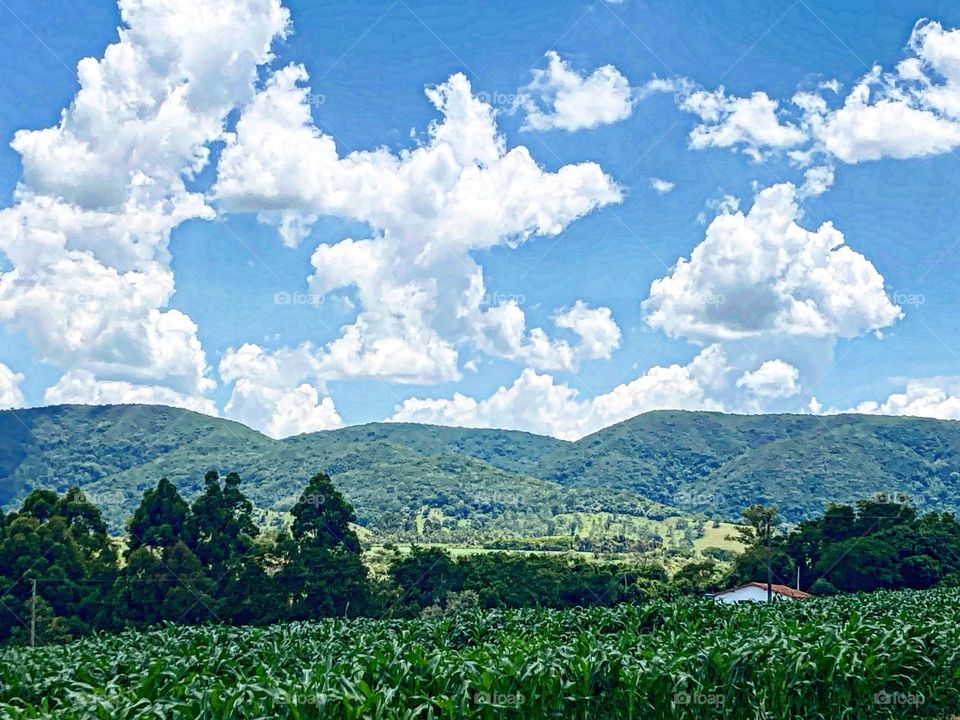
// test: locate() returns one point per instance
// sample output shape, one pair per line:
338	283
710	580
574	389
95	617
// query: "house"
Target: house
757	592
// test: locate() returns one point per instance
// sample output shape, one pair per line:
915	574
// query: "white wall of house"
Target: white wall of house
747	594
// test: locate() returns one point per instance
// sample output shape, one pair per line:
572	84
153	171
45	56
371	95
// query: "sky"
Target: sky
541	216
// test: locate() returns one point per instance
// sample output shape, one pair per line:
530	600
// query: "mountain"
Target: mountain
405	481
496	485
719	464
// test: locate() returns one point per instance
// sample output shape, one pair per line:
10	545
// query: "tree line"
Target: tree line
208	561
878	543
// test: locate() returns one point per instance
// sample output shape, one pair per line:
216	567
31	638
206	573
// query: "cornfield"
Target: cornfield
886	655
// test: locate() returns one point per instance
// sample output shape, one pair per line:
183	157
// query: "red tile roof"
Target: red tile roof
779	589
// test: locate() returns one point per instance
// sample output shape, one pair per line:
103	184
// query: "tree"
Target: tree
251	593
758	527
425	576
40	504
32	549
697	576
823	587
860	565
838	523
87	527
322	573
322	517
161	519
168	586
221	526
188	598
757	533
140	588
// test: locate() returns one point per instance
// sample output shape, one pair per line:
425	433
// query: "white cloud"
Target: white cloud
773	379
420	292
878	121
913	111
281	413
761	274
537	403
87	238
559	97
82	387
10	394
929	397
661	186
750	123
909	112
503	332
266	394
816	181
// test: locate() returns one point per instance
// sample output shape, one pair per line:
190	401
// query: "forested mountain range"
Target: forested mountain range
414	478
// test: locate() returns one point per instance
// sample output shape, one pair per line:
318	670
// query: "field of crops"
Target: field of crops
887	655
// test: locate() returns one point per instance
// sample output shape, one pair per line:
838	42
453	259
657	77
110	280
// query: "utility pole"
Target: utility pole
798	574
33	613
769	562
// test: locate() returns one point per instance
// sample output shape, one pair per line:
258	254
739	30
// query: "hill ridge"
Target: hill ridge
698	461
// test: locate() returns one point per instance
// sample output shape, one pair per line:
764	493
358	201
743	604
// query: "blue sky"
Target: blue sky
164	276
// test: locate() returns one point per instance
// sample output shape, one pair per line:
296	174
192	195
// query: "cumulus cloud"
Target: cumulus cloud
559	97
421	294
929	397
816	181
264	398
538	403
761	273
661	186
773	379
281	413
751	124
82	387
87	238
10	394
880	120
910	111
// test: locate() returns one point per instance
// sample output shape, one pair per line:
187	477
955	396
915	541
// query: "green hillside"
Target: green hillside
405	481
719	464
510	450
465	485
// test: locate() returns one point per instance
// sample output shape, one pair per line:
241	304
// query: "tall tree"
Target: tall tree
323	573
322	517
221	526
160	521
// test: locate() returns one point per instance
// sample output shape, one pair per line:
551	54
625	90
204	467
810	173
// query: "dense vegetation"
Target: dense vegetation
492	486
721	464
210	562
430	489
875	544
869	657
